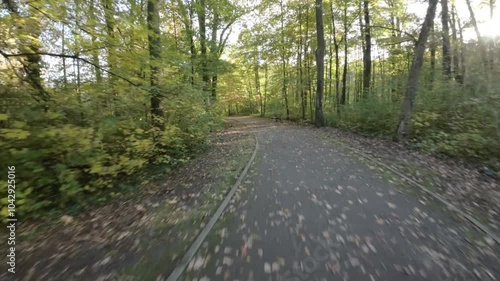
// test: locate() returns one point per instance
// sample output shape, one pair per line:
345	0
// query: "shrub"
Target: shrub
60	163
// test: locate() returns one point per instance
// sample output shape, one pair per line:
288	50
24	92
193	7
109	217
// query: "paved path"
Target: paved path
309	212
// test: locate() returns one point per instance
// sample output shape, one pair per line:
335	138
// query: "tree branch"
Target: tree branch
396	29
225	29
6	55
58	20
222	44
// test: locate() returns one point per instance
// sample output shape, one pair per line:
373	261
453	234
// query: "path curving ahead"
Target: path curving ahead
308	211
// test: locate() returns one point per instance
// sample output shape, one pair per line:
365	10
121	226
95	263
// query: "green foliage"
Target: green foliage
77	116
457	115
453	120
371	116
60	162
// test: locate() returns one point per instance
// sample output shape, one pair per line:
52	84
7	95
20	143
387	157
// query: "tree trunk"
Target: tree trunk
265	90
33	63
306	89
77	51
154	42
482	46
403	128
95	60
491	41
330	72
446	40
336	45
203	46
214	57
455	48
344	74
110	41
214	84
320	64
31	44
462	51
373	76
192	47
63	51
432	46
283	54
367	52
299	62
257	84
284	91
308	68
298	96
330	65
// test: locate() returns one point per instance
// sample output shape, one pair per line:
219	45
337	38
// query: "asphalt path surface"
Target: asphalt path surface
309	211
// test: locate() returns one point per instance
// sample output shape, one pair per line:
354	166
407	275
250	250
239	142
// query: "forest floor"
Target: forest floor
308	209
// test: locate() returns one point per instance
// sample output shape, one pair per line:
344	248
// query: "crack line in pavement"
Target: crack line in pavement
177	272
468	217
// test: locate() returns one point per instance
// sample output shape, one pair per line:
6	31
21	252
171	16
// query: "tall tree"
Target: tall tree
403	127
257	80
300	68
109	17
432	47
455	48
445	18
307	63
462	51
30	45
202	25
266	68
336	45
95	51
480	40
344	72
214	57
320	64
154	42
187	14
367	52
283	59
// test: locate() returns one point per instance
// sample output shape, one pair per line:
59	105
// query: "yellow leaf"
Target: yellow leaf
15	133
4	213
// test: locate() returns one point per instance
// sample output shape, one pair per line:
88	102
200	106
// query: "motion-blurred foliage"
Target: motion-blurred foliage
94	92
59	162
